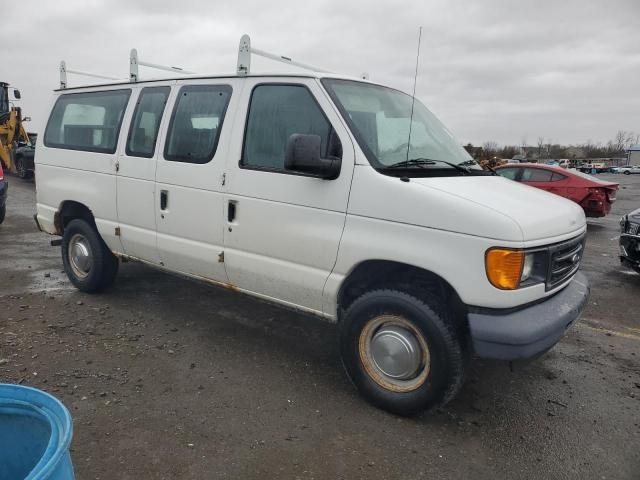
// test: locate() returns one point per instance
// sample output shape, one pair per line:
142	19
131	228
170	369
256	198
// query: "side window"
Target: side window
87	121
143	131
275	113
196	123
510	173
536	175
557	176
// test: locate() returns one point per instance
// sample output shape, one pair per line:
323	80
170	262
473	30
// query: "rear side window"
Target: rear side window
276	112
557	176
536	175
87	121
143	131
196	123
510	173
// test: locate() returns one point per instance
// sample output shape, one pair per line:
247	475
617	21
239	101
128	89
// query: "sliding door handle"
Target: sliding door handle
231	211
164	199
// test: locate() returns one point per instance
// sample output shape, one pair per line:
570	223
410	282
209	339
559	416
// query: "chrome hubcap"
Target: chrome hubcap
80	256
394	353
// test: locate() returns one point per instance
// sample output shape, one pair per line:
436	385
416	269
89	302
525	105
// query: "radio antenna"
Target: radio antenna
413	97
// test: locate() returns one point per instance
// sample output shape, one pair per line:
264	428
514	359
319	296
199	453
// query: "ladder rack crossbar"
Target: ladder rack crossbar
244	58
134	62
283	59
94	75
64	70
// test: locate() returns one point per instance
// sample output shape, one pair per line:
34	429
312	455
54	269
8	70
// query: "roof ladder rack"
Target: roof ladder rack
134	62
64	70
244	58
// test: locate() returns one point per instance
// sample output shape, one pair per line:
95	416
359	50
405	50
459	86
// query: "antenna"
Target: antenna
413	97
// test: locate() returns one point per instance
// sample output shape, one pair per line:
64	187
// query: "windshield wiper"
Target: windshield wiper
419	162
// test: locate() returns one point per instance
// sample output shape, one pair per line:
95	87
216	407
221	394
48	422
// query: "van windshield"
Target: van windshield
381	120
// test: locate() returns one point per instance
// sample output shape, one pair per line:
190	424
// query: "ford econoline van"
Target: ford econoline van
332	195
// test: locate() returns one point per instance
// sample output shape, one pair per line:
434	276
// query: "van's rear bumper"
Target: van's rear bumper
532	330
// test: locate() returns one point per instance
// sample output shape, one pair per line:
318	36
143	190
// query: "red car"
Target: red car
593	195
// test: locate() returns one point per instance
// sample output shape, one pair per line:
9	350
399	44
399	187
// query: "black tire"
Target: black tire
447	351
104	265
3	212
21	170
627	172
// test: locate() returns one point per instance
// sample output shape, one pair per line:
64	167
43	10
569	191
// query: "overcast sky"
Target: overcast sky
490	70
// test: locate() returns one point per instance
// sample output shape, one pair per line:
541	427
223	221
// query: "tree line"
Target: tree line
546	148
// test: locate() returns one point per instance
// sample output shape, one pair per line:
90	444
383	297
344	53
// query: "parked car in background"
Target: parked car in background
590	167
630	240
593	195
3	195
629	169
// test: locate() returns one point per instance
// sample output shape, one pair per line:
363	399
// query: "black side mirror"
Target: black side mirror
303	155
16	94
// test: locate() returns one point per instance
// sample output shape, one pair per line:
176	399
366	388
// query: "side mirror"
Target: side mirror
16	94
303	155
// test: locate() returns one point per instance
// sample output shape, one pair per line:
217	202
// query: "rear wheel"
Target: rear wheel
21	170
404	355
87	260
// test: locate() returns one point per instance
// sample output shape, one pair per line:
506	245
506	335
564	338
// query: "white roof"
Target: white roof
634	148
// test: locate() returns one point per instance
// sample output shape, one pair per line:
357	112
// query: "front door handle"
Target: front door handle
231	211
164	199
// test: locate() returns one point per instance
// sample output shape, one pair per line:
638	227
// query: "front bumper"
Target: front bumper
532	330
4	187
630	250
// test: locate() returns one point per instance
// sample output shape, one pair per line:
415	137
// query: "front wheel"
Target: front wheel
404	355
627	172
87	260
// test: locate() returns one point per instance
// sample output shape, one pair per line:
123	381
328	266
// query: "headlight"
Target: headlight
527	267
508	269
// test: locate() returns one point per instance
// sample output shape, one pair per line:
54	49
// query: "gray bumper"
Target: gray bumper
528	332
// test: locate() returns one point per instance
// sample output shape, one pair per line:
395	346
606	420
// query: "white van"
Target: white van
331	195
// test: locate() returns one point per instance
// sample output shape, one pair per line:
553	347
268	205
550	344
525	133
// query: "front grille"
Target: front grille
564	261
632	228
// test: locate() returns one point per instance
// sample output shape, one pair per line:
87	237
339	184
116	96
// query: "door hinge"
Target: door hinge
224	178
117	231
221	257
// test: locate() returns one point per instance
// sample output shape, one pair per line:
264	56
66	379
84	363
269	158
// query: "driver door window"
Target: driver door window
275	113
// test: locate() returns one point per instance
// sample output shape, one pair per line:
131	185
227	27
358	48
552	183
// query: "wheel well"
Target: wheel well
379	274
71	210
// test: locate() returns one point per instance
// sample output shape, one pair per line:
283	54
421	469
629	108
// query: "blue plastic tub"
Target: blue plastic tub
35	434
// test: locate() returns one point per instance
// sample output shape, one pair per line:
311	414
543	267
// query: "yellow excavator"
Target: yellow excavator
13	135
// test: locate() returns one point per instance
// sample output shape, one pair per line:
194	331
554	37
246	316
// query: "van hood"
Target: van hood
538	213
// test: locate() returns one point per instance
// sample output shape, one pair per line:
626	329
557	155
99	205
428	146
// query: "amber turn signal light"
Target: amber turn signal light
504	267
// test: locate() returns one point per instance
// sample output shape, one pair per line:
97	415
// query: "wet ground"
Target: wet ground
170	379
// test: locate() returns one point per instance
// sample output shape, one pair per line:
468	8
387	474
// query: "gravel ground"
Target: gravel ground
171	379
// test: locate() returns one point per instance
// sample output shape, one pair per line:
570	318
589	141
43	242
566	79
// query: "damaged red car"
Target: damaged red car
595	196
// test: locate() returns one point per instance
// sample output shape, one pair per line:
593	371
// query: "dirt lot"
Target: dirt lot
170	379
